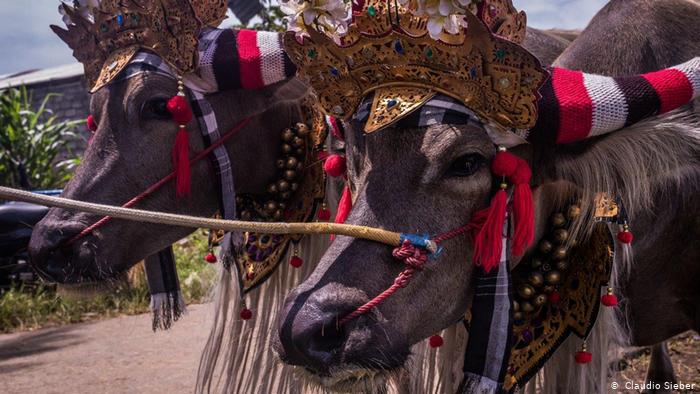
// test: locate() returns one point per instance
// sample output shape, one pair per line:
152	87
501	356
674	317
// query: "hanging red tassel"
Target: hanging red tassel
180	109
296	261
344	207
489	243
523	209
583	356
609	299
324	214
435	341
210	258
554	297
246	314
625	236
335	166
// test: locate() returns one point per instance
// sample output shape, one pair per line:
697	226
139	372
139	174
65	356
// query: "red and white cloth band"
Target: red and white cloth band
575	106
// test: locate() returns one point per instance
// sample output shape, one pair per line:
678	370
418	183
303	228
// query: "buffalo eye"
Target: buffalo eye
466	165
156	108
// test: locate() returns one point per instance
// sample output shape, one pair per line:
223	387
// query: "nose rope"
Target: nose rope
414	257
154	187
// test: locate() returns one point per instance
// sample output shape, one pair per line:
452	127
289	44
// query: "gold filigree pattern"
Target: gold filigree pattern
391	104
504	20
538	335
495	78
169	28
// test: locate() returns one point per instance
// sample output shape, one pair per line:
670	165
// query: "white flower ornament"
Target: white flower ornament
332	16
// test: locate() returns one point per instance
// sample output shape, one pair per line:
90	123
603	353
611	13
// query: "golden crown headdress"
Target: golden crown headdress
391	50
106	34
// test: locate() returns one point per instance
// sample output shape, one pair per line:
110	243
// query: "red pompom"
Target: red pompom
435	341
522	173
504	164
246	314
210	258
625	237
296	261
324	214
609	300
92	126
583	357
335	165
180	109
554	297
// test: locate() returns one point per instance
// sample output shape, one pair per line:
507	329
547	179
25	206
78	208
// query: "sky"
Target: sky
26	42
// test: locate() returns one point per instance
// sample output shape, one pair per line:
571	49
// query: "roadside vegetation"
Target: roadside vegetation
31	308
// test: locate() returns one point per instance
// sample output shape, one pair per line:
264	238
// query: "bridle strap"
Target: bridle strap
157	185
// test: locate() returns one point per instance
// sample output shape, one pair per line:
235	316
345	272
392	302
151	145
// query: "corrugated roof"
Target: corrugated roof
41	76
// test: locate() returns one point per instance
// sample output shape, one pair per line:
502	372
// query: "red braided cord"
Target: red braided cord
153	188
415	258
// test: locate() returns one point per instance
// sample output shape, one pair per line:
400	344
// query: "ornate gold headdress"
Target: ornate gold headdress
389	50
106	34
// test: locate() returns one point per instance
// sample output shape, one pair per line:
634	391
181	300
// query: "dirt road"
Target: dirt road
120	355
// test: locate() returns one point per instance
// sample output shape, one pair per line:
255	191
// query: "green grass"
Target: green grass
28	309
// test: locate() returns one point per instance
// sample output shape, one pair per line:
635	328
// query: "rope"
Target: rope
414	258
369	233
153	188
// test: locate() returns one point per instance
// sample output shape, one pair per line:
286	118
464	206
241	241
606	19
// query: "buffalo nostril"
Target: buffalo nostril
325	343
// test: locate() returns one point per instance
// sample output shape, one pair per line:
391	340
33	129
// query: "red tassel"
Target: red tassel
246	314
296	261
210	258
180	110
625	237
583	357
335	166
181	163
554	297
609	299
323	214
435	341
489	243
504	164
523	209
344	207
92	126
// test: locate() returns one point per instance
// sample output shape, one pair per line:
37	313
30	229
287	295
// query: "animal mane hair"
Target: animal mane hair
639	164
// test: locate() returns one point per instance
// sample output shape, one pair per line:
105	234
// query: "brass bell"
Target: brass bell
286	149
302	129
561	235
526	291
562	265
287	135
300	166
558	220
286	195
278	214
552	277
536	279
298	142
282	186
294	186
516	306
270	206
282	205
517	316
272	188
536	263
290	175
292	163
540	300
574	212
546	246
299	151
527	307
559	253
280	164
